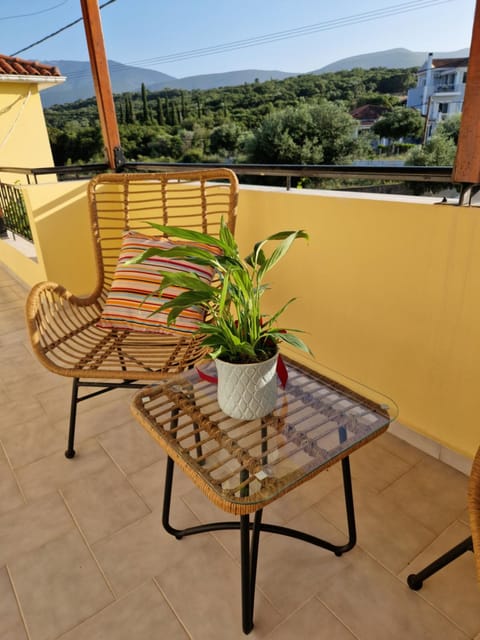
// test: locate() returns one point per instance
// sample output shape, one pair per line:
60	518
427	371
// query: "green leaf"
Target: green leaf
188	234
293	340
185	281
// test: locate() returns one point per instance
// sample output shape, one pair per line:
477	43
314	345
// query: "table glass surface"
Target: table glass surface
317	422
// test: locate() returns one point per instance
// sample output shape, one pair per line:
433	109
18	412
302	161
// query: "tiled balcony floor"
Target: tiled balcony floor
83	555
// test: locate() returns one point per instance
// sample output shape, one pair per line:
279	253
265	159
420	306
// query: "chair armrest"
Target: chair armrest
54	314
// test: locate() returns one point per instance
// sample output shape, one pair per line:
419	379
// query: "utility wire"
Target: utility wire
404	7
55	33
35	13
358	18
397	9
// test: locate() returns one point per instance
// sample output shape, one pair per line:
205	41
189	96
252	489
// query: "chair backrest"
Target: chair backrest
129	201
474	508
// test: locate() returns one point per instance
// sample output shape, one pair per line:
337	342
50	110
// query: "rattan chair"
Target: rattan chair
63	327
472	543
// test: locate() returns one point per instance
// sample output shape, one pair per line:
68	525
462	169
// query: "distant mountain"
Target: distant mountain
391	59
79	84
227	79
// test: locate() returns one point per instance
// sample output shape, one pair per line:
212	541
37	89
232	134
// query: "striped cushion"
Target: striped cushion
132	300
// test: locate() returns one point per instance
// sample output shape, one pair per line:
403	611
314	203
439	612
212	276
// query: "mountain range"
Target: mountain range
127	78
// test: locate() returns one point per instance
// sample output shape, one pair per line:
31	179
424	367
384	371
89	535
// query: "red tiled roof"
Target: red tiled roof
438	63
368	112
17	67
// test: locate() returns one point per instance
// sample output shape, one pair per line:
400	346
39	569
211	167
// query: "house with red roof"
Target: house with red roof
23	132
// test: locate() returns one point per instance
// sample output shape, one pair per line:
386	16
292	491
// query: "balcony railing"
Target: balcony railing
287	171
13	212
448	88
15	216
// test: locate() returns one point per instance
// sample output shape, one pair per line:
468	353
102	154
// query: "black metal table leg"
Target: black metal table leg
249	557
249	545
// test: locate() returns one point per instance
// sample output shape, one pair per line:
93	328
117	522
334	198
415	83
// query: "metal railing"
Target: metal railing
15	216
13	212
340	172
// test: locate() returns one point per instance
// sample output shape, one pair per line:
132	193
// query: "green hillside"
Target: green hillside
224	123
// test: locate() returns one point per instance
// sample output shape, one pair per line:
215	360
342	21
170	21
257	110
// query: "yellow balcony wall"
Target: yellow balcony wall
387	290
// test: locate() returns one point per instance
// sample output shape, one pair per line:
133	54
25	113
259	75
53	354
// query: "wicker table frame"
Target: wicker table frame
183	417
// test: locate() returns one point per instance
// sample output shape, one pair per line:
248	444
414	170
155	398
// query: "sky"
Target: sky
192	37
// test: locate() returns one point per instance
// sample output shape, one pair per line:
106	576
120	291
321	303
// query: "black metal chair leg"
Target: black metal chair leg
415	580
70	452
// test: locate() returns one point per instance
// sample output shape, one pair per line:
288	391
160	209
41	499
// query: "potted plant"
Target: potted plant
243	340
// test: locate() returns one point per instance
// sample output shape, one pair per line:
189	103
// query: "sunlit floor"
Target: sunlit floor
83	554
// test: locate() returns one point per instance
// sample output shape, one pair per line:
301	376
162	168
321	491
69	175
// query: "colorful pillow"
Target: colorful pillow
132	300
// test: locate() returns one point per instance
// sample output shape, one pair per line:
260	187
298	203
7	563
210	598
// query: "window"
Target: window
443	107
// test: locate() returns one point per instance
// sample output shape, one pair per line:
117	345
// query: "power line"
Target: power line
35	13
404	7
55	33
377	14
397	9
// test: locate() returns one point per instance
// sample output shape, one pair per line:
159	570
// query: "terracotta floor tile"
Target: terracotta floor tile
74	588
383	529
30	526
56	471
307	622
10	495
11	624
31	440
430	492
20	411
150	483
203	589
130	446
143	549
376	467
95	418
141	615
375	605
103	502
291	571
454	589
408	453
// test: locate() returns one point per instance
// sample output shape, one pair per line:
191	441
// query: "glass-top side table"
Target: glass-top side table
242	466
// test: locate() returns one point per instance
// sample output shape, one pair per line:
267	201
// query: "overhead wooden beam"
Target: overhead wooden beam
101	79
467	162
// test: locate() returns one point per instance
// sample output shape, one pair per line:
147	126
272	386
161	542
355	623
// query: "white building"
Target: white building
440	90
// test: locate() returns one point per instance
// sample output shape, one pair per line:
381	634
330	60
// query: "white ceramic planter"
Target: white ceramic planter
247	391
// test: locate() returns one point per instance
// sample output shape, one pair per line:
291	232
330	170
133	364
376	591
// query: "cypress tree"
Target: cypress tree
160	114
146	110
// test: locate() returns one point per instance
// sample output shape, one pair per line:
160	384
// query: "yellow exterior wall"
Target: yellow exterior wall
23	133
388	291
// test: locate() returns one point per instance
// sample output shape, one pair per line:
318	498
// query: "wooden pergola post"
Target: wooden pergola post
101	81
466	169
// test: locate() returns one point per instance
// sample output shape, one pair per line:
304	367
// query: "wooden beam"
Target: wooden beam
467	162
101	78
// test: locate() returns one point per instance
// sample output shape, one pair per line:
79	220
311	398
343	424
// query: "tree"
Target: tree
225	138
145	107
439	151
450	127
308	134
400	122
